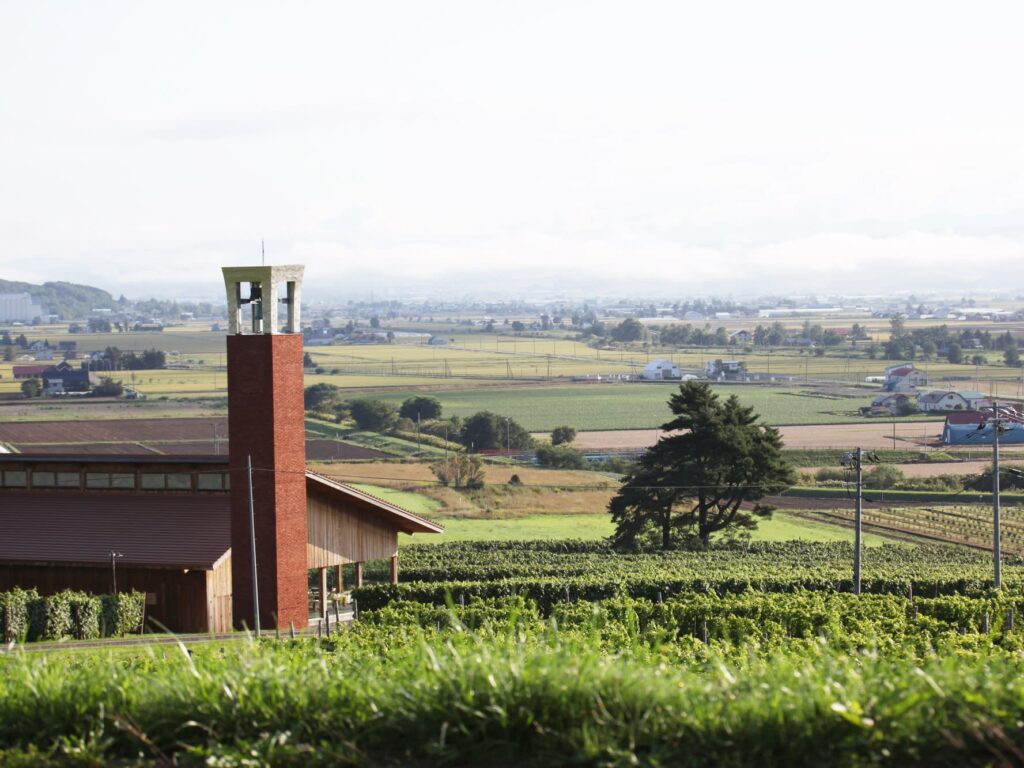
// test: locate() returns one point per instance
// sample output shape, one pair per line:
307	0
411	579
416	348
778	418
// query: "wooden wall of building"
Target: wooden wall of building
218	596
176	599
344	531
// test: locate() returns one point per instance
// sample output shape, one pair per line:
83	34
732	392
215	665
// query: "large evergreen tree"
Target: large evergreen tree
708	475
489	430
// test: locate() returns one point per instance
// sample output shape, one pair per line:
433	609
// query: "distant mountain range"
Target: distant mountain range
69	300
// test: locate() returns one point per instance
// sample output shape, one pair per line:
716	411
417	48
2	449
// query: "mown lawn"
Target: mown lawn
782	527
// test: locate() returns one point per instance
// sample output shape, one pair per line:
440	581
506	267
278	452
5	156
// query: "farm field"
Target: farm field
94	410
527	356
593	570
565	514
478	357
406	474
781	527
493	502
964	524
909	435
592	407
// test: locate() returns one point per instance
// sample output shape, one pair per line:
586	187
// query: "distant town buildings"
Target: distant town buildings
19	308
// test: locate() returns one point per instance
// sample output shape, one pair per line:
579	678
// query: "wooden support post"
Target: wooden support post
323	592
359	574
394	568
339	573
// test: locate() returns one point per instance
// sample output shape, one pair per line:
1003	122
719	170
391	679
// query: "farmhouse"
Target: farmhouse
661	370
798	341
725	370
29	371
946	400
893	403
214	542
904	378
57	379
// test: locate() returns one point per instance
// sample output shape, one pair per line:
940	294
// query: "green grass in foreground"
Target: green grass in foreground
782	527
396	697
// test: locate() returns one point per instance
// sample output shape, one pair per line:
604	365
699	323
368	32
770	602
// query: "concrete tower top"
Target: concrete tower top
264	289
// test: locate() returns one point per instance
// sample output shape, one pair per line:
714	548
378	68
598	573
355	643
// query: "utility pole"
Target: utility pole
997	548
855	460
252	552
857	515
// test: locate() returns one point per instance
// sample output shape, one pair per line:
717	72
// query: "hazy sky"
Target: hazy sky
684	147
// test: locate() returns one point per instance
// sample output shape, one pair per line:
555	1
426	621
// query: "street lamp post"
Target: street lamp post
114	555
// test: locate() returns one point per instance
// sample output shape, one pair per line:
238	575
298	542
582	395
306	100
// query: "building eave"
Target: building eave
410	522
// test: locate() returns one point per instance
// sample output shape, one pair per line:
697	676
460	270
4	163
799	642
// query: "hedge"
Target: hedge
26	616
14	613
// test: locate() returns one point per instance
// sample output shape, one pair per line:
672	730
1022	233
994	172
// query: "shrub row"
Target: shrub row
26	616
549	592
426	439
840	620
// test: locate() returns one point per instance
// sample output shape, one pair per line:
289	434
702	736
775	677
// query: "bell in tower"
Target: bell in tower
260	289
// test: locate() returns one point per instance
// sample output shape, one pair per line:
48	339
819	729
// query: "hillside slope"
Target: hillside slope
69	300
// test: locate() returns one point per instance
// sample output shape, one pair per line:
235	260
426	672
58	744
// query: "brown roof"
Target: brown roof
30	370
179	531
167	437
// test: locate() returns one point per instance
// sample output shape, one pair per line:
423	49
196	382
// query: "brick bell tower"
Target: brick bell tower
265	424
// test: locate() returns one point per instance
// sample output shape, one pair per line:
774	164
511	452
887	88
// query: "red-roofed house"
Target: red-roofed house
904	377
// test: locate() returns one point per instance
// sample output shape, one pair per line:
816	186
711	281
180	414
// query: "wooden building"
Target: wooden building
167	521
185	529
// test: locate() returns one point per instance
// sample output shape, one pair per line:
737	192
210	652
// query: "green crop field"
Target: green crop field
637	406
